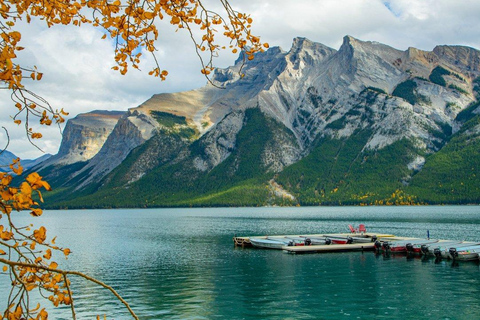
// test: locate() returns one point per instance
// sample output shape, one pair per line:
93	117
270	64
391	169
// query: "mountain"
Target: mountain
83	138
7	157
365	124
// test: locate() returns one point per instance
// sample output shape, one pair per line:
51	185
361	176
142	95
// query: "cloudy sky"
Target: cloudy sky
77	64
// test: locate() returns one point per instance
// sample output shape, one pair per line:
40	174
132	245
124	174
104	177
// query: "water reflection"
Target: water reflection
181	264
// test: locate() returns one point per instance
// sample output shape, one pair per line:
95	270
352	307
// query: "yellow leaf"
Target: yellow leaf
39	76
48	254
5	268
40	234
66	251
36	212
148	15
53	265
36	308
2	253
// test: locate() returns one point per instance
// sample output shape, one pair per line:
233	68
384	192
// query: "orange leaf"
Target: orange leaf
48	254
40	234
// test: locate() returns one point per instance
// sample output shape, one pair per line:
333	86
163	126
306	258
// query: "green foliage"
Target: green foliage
337	124
467	113
342	172
406	91
336	171
450	176
240	180
457	88
463	91
167	119
436	76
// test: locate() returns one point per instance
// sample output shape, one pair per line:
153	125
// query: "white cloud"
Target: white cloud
76	62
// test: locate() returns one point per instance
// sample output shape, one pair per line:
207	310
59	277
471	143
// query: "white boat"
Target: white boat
445	251
269	243
465	253
435	249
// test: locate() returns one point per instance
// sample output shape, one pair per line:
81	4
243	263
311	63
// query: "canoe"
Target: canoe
465	253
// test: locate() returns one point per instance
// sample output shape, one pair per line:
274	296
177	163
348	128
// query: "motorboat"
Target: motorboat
444	252
401	245
465	253
265	242
416	247
434	249
277	242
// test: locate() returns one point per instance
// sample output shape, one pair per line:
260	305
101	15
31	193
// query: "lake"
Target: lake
181	264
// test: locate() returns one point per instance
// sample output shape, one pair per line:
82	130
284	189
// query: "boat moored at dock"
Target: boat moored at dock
307	243
465	253
269	243
416	247
435	248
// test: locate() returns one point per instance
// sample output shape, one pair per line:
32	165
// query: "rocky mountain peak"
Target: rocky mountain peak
284	105
85	135
460	56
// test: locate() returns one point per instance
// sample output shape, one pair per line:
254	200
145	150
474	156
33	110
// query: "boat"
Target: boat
277	242
435	248
264	242
444	252
417	246
352	239
401	245
465	253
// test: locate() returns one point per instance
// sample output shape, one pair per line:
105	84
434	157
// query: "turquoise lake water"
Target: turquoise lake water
181	264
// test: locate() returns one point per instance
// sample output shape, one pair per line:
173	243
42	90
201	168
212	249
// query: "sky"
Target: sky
76	63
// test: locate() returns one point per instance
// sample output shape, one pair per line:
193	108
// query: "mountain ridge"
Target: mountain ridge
362	102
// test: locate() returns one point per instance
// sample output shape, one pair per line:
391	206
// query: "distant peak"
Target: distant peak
300	41
347	40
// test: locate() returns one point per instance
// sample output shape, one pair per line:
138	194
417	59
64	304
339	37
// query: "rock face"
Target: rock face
311	93
84	136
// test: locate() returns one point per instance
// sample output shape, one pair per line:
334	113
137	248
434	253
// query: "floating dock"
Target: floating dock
245	242
386	243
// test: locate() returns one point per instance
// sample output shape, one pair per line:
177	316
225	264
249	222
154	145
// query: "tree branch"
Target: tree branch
76	273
